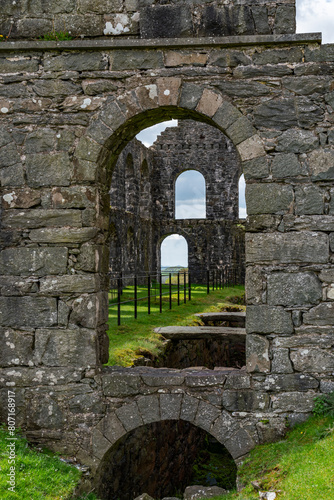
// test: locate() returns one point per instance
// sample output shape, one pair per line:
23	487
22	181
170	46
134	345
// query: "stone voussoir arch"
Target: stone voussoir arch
122	117
148	409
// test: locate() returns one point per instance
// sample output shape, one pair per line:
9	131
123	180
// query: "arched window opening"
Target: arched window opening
242	198
174	252
190	195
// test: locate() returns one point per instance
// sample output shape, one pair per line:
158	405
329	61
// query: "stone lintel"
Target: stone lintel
98	44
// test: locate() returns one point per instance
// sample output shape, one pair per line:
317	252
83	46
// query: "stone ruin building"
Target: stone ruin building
142	202
67	111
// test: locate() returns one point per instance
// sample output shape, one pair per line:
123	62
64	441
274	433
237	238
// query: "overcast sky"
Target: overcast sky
312	16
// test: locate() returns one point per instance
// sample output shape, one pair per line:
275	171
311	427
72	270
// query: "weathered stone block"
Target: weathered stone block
162	378
20	64
278	56
312	360
240	130
285	19
265	319
288	289
111	428
185	58
309	200
9	155
257	354
237	381
204	380
73	197
307	85
228	58
240	443
90	310
268	198
321	164
248	401
63	235
17	347
32	377
40	141
297	141
254	287
79	61
49	170
33	261
165	21
256	168
34	312
206	415
286	165
56	88
287	248
120	384
170	406
251	148
323	314
289	401
136	59
327	275
65	347
281	361
190	95
38	218
289	382
100	444
149	407
189	408
73	284
209	103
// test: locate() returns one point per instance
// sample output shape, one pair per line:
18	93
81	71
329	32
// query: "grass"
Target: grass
135	338
298	467
39	474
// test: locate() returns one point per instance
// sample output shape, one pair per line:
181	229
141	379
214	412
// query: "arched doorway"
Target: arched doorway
174	252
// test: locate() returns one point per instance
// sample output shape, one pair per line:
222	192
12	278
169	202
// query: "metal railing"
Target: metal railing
151	287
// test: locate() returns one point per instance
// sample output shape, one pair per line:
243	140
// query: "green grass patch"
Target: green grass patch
135	338
39	474
298	467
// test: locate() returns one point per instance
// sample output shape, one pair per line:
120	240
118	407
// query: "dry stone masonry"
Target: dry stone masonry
67	109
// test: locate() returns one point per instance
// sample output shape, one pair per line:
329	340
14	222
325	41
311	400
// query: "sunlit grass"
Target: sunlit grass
298	467
39	475
133	338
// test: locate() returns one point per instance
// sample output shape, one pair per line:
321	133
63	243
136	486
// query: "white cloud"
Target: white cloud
150	134
316	16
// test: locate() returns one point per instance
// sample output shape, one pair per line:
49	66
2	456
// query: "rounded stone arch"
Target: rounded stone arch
149	409
122	118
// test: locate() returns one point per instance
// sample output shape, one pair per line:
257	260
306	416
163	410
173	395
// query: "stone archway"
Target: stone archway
156	408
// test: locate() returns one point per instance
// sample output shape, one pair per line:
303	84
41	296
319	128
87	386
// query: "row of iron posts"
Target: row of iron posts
219	279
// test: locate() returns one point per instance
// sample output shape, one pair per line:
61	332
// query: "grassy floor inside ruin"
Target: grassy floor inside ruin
135	337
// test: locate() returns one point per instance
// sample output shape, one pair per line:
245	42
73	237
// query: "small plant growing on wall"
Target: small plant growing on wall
324	405
56	36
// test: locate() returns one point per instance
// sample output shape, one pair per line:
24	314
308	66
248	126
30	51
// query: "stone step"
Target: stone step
202	332
235	317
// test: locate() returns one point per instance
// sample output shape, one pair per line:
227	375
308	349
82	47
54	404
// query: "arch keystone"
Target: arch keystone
169	91
148	96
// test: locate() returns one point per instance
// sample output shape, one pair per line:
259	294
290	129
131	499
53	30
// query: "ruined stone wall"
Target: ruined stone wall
143	201
66	112
146	18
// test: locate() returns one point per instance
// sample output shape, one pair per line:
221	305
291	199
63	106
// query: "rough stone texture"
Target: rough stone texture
67	110
294	289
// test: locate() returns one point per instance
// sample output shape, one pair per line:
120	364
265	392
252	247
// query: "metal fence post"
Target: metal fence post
136	298
189	286
149	294
178	288
160	289
119	291
184	288
208	282
170	290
